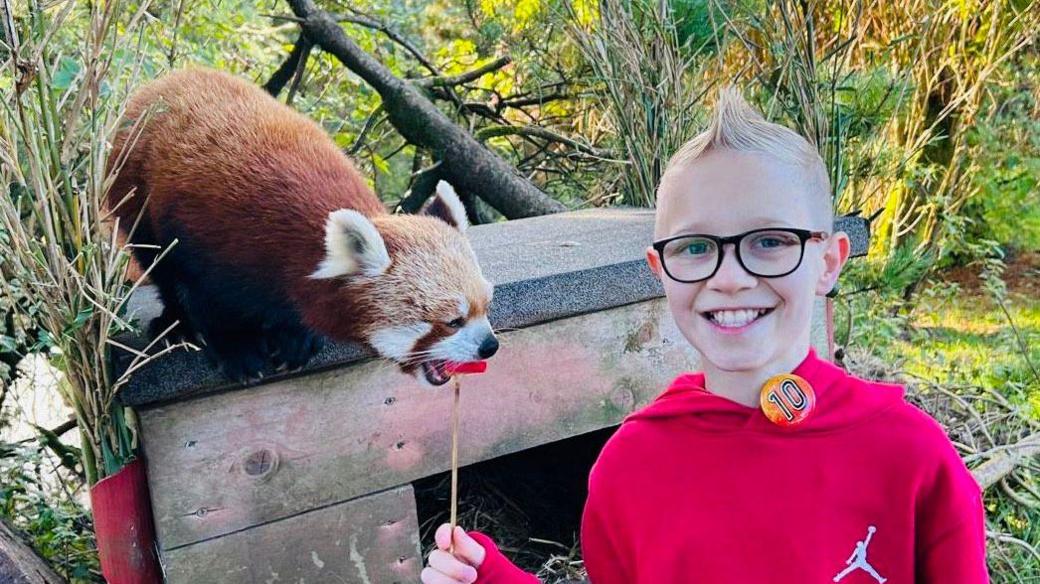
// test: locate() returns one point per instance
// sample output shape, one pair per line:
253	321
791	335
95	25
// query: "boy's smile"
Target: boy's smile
735	320
742	324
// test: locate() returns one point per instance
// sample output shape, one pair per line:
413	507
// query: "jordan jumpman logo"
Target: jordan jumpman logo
858	559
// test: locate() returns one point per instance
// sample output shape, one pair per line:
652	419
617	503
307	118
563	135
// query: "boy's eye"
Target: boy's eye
772	241
688	249
697	248
457	323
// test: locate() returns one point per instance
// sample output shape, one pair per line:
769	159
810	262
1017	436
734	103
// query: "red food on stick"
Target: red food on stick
455	368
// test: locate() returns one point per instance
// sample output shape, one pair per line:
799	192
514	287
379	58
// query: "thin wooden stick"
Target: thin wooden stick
454	464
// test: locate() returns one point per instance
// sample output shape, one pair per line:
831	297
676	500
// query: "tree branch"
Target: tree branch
453	80
20	562
467	164
293	63
536	100
539	132
373	120
423	185
368	22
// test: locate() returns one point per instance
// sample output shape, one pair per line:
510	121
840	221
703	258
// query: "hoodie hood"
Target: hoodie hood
841	401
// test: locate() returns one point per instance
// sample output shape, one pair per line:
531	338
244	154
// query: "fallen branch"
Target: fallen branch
1005	459
423	186
19	564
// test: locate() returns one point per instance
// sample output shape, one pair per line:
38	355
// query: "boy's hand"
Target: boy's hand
460	568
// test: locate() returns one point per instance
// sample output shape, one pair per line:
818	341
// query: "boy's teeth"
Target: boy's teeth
735	318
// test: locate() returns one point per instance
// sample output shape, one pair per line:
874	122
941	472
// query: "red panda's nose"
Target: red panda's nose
488	348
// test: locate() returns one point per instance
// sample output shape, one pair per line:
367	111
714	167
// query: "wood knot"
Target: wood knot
260	463
623	397
642	337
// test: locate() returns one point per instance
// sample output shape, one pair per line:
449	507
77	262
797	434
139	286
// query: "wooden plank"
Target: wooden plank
371	540
224	462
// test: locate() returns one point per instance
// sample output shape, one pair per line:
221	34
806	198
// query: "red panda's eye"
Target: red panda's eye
457	323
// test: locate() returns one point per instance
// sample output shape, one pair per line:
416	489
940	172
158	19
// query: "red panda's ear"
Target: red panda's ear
352	246
446	206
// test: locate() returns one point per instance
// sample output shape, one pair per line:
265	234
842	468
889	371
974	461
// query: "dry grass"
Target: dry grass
650	83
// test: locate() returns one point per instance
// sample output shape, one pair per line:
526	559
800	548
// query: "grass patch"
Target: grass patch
968	339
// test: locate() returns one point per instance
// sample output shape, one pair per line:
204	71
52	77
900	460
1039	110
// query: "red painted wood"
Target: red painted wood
124	529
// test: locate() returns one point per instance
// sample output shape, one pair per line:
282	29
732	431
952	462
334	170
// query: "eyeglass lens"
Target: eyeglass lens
763	253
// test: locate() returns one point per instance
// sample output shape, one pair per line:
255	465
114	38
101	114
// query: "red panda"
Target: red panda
274	242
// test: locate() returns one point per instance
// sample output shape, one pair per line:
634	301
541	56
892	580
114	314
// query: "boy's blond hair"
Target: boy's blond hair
738	126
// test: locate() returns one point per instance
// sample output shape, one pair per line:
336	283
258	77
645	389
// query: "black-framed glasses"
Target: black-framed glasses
772	252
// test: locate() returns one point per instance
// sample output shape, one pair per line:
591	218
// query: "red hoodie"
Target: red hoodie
697	488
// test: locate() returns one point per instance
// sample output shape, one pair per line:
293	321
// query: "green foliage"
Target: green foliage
698	24
1006	208
17	333
34	499
892	94
872	308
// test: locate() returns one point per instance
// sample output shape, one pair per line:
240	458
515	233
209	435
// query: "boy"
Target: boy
730	475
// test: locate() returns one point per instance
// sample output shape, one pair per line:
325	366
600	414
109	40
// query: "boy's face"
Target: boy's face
726	193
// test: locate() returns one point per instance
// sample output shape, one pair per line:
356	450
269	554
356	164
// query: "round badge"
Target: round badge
787	400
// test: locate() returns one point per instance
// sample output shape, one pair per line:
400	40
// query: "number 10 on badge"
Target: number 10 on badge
787	400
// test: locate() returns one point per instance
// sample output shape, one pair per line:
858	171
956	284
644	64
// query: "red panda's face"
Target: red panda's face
432	300
419	294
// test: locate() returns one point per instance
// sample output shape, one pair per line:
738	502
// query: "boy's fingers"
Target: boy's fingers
431	576
450	566
467	549
443	536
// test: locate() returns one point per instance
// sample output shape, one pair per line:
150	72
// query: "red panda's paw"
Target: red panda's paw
244	368
292	348
242	356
